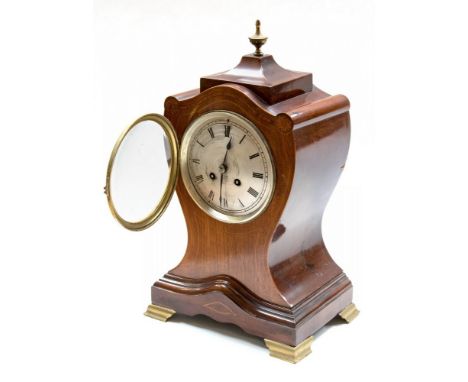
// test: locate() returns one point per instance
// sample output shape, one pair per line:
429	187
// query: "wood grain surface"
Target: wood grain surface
272	276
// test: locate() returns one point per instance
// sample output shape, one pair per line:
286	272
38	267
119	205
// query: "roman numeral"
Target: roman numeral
254	156
210	130
227	130
242	204
199	178
211	195
252	192
257	175
197	161
223	202
241	139
201	144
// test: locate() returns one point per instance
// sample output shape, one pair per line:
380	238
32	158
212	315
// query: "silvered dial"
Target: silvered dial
227	166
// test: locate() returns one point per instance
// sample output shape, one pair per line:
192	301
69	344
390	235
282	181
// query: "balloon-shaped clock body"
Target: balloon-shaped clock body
254	156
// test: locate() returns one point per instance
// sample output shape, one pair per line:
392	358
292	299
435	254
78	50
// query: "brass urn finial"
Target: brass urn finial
258	39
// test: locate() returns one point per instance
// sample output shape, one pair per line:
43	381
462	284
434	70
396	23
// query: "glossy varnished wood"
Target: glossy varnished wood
264	77
272	276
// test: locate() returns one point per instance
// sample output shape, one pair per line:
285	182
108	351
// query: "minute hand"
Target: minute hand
221	190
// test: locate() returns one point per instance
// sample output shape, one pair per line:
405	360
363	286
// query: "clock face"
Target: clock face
227	166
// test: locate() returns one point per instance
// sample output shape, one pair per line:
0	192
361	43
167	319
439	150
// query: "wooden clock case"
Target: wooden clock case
272	276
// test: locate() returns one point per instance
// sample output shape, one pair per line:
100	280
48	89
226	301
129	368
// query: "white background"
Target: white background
74	284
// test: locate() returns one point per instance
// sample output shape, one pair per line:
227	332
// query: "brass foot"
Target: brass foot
159	312
288	353
349	313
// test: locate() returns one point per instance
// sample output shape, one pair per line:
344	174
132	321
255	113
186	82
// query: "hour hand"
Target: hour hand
228	147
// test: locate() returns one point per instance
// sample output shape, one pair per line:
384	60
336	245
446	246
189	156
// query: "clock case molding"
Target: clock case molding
272	276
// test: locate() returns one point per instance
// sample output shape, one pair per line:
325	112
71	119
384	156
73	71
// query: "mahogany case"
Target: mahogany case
272	276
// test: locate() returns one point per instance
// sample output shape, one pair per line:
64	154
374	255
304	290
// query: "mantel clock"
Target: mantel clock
254	155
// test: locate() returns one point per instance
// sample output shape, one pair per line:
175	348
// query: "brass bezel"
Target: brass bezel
161	206
224	216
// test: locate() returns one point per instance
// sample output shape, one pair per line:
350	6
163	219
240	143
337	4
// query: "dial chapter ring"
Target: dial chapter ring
189	138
